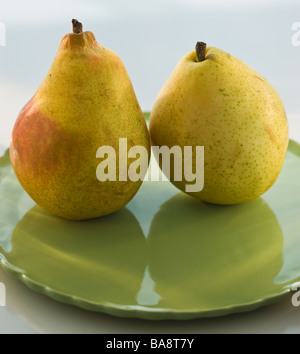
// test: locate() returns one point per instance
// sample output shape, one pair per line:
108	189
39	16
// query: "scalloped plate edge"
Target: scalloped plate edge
141	312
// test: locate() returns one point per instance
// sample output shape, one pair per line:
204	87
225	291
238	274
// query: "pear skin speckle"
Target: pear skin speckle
226	106
86	101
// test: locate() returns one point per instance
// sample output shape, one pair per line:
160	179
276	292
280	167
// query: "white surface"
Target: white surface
150	36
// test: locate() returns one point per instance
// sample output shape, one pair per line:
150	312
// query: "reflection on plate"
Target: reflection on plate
164	256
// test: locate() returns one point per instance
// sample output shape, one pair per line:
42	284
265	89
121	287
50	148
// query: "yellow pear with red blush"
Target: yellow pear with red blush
86	101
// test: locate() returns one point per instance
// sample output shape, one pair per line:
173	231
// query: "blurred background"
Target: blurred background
150	36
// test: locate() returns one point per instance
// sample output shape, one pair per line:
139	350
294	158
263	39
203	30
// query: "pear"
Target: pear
214	100
86	101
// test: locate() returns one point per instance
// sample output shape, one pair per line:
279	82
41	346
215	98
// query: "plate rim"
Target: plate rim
141	312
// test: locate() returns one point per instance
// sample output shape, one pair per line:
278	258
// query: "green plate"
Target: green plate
164	256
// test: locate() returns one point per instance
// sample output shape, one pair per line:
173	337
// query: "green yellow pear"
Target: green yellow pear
213	99
86	101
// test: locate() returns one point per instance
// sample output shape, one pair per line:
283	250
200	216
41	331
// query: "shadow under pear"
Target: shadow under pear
100	260
204	256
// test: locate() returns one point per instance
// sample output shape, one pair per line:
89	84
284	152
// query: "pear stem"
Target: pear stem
77	26
200	51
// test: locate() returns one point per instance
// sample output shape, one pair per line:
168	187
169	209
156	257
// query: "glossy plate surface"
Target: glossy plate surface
164	256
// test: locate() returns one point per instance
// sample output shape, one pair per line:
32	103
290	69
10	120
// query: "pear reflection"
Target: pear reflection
100	260
207	256
196	256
